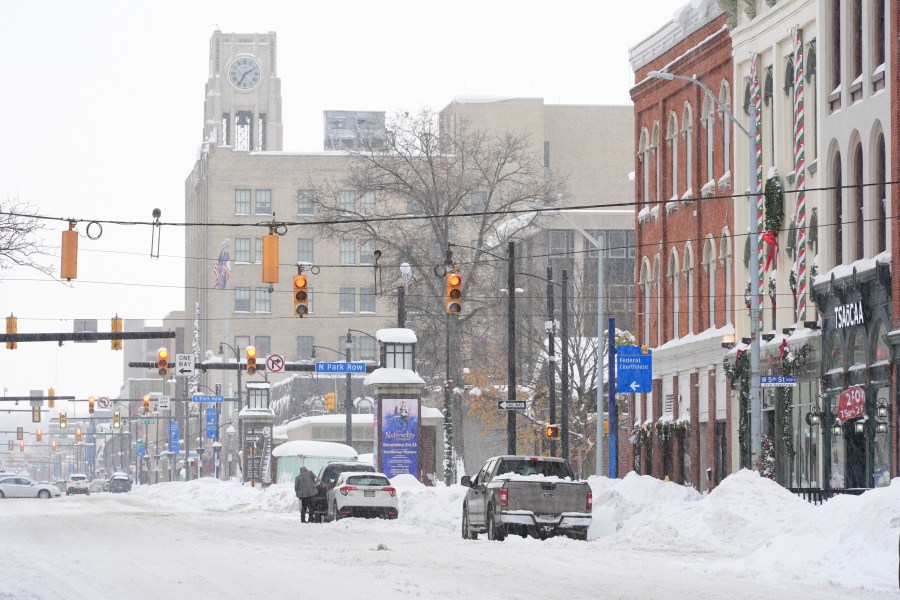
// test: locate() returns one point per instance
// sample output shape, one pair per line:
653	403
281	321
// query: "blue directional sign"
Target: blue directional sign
141	448
212	423
174	432
340	367
634	370
200	398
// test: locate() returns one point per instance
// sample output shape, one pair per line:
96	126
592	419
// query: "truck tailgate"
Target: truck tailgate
550	497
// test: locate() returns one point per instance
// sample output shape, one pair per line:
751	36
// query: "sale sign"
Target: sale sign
851	403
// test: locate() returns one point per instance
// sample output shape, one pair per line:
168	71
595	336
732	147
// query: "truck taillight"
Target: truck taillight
390	490
346	489
504	496
590	500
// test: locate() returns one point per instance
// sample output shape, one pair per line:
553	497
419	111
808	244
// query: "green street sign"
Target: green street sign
147	421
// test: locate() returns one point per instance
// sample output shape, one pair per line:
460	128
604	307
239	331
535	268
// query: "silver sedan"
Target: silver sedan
25	487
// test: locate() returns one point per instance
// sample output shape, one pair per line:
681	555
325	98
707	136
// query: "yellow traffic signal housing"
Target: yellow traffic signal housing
69	254
117	420
251	360
38	435
91	405
11	445
454	293
11	327
78	433
35	414
63	421
20	433
52	445
301	296
552	432
117	327
162	361
146	402
21	446
51	398
329	401
270	258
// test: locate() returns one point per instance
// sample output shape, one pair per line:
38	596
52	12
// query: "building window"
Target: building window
546	154
646	282
630	243
367	253
348	252
413	207
881	193
644	163
725	100
264	202
242	250
673	283
837	208
263	300
857	36
616	245
687	122
398	356
834	97
654	146
878	42
242	202
367	203
348	300
305	202
257	255
305	345
812	101
367	300
657	280
689	280
263	346
306	250
366	348
859	203
672	136
240	343
709	261
241	299
348	201
479	202
725	256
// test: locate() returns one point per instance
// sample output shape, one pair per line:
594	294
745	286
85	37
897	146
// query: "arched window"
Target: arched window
836	348
877	44
644	158
837	208
654	146
657	280
725	254
857	347
687	124
725	100
646	283
709	264
672	138
881	352
673	285
709	120
689	281
858	204
835	97
880	189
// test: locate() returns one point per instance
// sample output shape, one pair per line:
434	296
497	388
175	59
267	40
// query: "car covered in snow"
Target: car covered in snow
99	484
359	494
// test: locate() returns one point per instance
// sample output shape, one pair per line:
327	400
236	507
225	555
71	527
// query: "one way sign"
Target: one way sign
184	364
511	404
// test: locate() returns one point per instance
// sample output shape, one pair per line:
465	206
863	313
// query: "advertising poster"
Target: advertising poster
400	436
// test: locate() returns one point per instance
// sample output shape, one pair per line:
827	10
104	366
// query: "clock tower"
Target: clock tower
243	94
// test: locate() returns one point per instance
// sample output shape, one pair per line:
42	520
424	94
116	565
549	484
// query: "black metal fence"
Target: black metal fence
819	496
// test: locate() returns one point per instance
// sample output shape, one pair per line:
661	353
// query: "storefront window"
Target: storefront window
858	347
836	350
838	462
807	436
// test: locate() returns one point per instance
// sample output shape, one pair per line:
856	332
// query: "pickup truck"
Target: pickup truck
533	496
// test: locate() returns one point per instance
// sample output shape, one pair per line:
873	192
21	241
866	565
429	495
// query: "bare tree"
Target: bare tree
20	241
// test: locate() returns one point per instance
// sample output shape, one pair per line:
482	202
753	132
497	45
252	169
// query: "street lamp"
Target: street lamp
348	408
755	403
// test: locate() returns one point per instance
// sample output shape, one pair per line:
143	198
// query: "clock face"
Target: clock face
244	73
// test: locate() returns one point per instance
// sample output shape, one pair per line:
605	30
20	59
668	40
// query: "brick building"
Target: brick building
684	235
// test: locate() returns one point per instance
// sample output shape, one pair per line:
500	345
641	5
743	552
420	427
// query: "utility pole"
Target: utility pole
511	349
564	334
348	400
551	354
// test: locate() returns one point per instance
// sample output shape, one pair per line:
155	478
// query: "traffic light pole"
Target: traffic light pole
511	349
551	355
348	400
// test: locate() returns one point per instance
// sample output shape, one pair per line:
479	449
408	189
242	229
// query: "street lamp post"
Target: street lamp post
755	404
237	358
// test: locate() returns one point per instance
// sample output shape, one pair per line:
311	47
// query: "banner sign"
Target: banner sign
212	424
400	436
851	404
174	432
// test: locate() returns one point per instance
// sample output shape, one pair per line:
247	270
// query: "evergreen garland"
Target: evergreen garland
767	448
791	363
739	373
774	196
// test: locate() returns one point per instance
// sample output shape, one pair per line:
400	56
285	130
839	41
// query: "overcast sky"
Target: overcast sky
101	116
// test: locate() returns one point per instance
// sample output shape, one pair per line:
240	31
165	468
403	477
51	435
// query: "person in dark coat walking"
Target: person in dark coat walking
305	488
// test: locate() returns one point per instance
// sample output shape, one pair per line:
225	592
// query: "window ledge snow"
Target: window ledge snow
725	181
708	189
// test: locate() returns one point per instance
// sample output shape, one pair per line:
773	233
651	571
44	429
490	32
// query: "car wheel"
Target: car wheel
87	493
337	515
43	494
467	534
494	530
2	496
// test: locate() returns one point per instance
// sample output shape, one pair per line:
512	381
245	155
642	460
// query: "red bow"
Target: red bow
781	348
771	240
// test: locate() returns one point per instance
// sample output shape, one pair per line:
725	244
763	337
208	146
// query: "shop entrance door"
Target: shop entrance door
855	456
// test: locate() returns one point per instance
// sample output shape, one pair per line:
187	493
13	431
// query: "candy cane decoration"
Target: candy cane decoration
756	99
800	173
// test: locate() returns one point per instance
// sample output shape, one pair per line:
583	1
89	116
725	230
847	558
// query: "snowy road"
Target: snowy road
215	540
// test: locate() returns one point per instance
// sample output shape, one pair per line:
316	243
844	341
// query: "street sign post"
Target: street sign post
512	404
199	398
184	364
340	367
777	381
275	363
634	370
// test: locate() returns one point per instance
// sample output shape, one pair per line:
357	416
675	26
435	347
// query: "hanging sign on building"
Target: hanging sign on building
851	404
848	315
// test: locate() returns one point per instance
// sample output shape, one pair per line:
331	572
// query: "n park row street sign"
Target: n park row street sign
340	367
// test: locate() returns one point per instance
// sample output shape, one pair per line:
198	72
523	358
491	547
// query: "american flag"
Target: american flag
222	269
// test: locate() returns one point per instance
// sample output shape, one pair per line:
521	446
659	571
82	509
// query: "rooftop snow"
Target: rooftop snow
396	336
314	448
386	375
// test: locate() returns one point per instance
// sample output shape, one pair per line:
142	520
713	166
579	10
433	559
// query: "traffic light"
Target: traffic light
301	296
329	401
21	446
20	433
11	327
116	328
91	404
63	421
52	445
251	360
10	445
146	402
38	435
78	433
454	293
270	257
117	420
51	395
162	361
35	414
552	432
69	254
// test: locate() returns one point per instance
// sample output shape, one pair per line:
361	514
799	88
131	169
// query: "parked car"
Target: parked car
357	494
99	485
78	484
533	496
325	481
25	487
120	482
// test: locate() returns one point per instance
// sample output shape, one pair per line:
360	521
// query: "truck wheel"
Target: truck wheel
467	534
495	531
580	534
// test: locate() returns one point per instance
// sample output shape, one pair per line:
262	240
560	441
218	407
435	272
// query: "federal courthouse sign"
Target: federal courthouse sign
848	315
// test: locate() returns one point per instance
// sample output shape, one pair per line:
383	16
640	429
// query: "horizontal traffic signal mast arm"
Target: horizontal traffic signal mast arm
27	398
86	336
260	367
